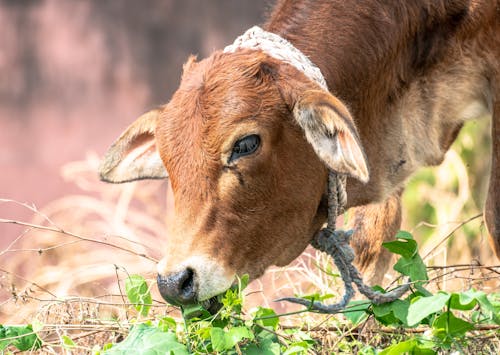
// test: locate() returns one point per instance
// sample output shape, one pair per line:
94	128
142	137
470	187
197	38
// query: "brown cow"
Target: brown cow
249	135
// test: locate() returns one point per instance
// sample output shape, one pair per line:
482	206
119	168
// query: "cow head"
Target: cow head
246	141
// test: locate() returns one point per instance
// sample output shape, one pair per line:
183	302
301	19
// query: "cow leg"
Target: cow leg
492	207
374	224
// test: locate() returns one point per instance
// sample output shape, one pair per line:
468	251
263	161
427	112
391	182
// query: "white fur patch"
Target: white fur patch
210	278
474	109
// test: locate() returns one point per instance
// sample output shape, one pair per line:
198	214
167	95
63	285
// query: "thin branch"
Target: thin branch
390	330
157	304
460	225
62	231
32	208
28	281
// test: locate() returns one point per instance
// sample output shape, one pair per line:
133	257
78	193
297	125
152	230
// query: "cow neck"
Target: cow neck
279	48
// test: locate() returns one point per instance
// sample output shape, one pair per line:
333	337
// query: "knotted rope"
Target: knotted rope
336	244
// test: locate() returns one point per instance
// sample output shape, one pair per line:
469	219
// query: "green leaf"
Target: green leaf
167	323
416	270
463	301
400	348
425	306
146	340
357	311
232	301
419	350
237	334
383	313
469	299
266	346
267	349
367	350
202	329
383	309
266	317
222	340
297	348
107	346
413	267
22	337
218	339
404	245
495	299
3	343
378	288
411	346
410	263
400	310
487	307
67	342
300	335
450	325
138	293
392	313
404	235
194	311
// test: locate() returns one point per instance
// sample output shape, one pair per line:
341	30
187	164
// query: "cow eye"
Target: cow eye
245	146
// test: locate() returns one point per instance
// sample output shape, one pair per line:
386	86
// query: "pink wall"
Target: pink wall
73	74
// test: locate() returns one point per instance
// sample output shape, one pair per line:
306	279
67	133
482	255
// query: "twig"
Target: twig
460	225
119	286
158	304
62	231
463	266
28	281
484	327
40	250
32	208
25	232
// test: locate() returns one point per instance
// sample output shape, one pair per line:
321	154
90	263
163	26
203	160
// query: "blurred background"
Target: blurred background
74	74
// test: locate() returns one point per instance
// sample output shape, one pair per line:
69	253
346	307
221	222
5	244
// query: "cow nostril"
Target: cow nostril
178	288
187	285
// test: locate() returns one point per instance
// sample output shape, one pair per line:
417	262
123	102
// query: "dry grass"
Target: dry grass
65	269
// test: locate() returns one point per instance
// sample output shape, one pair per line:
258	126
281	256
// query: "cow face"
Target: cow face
246	141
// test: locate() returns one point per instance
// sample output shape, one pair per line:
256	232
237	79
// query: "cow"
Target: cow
369	89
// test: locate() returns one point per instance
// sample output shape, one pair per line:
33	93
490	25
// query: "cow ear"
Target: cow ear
329	128
133	156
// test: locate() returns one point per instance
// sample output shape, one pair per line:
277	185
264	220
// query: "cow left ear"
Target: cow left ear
329	128
134	156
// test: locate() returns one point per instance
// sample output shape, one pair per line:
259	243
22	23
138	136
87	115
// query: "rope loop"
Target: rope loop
336	244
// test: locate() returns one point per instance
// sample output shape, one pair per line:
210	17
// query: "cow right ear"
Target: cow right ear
330	130
134	155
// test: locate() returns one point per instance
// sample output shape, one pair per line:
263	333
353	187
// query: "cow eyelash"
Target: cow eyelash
245	146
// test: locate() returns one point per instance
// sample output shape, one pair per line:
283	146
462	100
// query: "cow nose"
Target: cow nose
178	288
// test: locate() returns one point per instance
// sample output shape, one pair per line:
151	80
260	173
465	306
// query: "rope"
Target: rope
336	244
279	48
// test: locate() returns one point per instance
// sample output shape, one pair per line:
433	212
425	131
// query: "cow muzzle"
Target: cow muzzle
178	288
197	279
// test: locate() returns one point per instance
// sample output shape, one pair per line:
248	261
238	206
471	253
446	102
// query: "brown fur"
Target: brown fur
385	61
410	74
235	211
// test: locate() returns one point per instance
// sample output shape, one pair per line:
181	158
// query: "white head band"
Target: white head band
279	48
